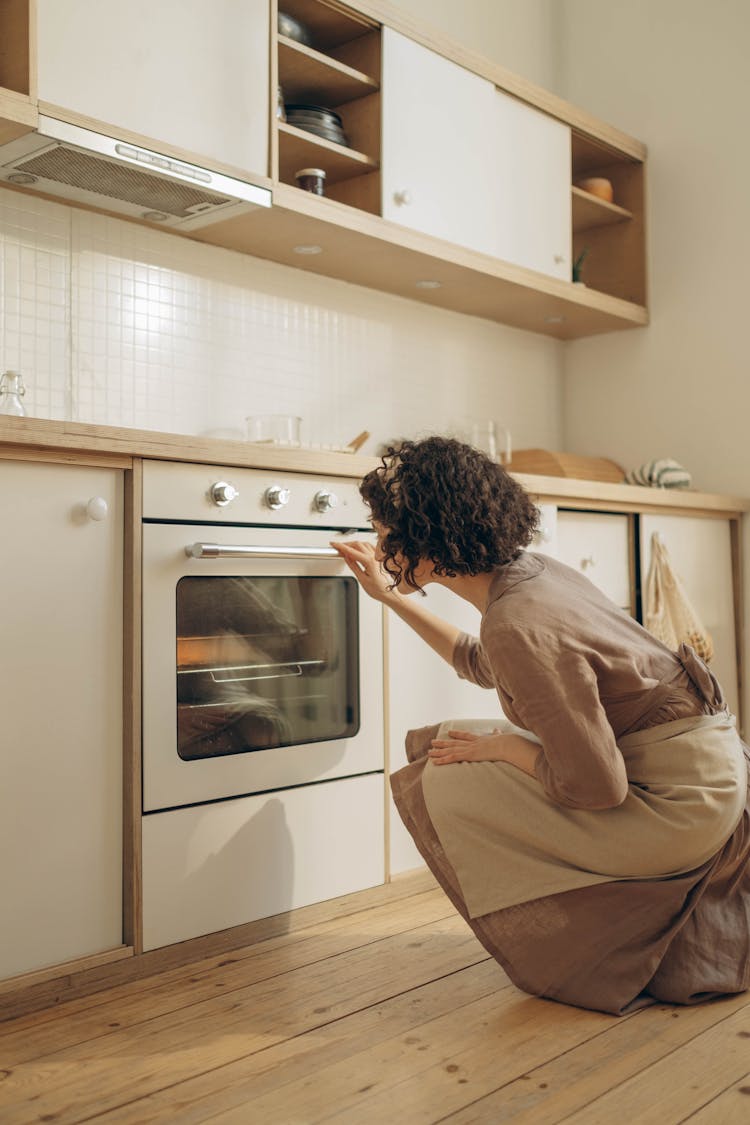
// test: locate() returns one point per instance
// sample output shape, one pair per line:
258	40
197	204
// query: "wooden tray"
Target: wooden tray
548	464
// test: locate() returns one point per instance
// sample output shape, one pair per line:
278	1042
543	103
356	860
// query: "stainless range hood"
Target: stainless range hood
82	166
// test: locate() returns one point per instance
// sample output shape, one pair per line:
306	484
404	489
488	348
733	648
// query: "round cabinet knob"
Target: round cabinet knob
223	493
587	563
276	496
325	501
97	508
559	259
402	198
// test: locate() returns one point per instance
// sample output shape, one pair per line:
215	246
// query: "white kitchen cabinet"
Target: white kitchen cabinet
180	72
701	554
60	713
532	220
598	545
464	161
424	689
437	150
209	867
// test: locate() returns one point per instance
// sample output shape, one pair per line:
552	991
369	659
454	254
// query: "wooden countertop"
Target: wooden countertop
78	442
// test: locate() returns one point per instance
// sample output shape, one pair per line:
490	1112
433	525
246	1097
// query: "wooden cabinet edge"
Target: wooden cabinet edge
132	803
472	283
117	447
600	496
18	115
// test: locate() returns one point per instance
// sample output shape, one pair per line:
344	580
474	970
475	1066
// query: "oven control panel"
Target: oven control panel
225	495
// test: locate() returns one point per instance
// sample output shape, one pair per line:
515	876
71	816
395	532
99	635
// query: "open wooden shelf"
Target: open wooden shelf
306	74
329	25
589	211
340	71
613	234
298	149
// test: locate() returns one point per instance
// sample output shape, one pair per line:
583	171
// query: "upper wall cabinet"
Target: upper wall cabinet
530	182
448	179
470	164
438	158
180	72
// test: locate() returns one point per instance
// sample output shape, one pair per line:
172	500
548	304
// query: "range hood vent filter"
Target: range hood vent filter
82	166
116	181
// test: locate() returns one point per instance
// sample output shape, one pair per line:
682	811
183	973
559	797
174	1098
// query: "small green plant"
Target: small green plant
578	264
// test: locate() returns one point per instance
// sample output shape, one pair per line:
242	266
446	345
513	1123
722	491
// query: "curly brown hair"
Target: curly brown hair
446	502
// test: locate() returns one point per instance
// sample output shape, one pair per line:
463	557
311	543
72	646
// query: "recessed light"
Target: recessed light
554	319
308	249
155	216
21	178
427	284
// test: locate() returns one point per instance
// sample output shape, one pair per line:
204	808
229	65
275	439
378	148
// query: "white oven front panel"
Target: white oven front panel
171	781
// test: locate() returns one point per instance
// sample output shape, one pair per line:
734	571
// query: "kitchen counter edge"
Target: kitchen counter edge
77	440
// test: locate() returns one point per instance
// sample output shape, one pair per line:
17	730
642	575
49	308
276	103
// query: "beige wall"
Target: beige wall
674	74
518	34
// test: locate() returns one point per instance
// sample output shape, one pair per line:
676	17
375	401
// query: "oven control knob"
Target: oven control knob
276	496
223	493
325	501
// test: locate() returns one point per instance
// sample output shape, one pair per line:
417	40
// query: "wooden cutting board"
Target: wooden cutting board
549	464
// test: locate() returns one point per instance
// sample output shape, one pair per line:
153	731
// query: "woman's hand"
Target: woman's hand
464	746
361	560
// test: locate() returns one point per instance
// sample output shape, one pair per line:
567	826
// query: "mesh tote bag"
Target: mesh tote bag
668	612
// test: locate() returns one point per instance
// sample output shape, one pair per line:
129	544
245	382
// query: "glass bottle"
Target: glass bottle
11	392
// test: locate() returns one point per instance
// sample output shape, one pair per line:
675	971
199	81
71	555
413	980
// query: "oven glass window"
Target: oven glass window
265	662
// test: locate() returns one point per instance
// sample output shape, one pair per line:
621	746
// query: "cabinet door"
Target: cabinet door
598	545
437	158
181	72
61	713
532	210
424	689
701	554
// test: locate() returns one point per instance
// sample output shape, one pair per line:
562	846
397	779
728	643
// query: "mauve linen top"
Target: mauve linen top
576	671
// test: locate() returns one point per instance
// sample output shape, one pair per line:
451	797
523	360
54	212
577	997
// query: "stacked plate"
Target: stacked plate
318	120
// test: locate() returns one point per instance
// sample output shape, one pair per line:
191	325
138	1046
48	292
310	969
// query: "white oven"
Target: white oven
262	690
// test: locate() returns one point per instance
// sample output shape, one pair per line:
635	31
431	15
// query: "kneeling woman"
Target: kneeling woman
599	843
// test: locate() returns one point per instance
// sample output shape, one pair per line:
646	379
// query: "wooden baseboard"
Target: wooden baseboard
26	981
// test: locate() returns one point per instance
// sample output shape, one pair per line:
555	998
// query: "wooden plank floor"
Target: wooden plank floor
391	1012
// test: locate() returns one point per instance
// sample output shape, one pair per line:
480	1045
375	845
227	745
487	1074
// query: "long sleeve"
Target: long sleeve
554	691
470	661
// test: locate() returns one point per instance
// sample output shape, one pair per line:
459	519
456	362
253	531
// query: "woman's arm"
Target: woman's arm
361	560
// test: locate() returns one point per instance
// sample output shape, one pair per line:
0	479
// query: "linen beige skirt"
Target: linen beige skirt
611	945
508	842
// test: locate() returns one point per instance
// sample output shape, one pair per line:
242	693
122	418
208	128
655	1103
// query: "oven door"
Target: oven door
262	664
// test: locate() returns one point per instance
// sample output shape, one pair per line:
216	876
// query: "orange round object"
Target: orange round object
598	186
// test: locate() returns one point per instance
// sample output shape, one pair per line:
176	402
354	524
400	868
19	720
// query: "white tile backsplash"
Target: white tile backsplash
113	323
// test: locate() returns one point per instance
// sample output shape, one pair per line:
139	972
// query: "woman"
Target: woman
599	843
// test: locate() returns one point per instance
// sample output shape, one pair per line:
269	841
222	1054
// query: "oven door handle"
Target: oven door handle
217	551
